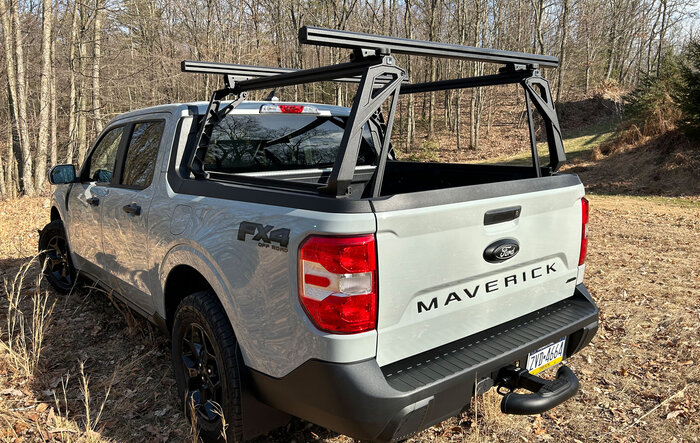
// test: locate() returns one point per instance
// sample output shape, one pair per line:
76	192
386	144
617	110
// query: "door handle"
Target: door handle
132	209
93	201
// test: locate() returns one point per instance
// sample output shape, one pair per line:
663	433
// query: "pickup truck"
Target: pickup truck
302	270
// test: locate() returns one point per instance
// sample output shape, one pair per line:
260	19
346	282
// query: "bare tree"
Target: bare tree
44	96
13	133
96	54
562	47
53	141
73	103
22	122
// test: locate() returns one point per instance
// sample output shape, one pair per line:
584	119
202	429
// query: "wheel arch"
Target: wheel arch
185	270
55	214
181	281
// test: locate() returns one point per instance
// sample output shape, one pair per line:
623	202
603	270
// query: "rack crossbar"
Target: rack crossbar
467	82
382	44
324	73
247	72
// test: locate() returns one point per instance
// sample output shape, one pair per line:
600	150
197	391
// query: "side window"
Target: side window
101	162
141	155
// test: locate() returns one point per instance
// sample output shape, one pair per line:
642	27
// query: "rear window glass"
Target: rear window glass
248	143
141	155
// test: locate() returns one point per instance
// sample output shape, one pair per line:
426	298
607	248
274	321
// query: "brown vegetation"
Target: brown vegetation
637	163
639	377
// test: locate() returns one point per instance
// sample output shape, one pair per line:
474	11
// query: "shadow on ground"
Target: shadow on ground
121	352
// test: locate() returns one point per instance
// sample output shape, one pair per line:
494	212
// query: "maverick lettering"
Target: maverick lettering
489	287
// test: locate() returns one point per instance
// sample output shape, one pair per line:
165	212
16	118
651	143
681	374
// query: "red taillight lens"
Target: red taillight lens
584	231
291	109
337	282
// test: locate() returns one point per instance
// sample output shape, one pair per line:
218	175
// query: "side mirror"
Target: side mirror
62	174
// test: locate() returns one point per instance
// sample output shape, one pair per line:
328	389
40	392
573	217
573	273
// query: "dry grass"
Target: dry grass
635	164
22	340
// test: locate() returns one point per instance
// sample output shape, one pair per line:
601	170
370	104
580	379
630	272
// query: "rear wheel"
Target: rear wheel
55	257
206	367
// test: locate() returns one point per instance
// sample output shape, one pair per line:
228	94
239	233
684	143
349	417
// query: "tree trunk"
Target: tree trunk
433	68
476	103
539	7
613	43
562	49
22	123
13	130
462	31
662	34
97	53
82	88
53	141
411	118
44	96
73	110
3	189
588	66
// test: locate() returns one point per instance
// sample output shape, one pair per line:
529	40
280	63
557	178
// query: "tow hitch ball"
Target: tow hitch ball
545	394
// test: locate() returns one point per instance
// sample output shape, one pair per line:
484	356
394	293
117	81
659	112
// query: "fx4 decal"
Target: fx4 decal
265	235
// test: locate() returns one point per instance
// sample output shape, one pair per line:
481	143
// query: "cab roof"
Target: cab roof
199	108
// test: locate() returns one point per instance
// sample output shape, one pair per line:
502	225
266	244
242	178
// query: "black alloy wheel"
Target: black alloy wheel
55	257
207	369
201	368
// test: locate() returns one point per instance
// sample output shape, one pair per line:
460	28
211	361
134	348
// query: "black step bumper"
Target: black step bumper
365	401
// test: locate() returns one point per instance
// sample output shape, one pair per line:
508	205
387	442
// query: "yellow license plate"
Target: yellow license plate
546	357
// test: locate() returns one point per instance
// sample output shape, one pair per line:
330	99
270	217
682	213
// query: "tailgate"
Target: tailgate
435	286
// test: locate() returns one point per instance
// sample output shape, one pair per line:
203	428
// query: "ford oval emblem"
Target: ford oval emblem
501	250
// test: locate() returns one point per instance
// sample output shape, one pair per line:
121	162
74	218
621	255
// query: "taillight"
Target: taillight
338	282
584	231
288	109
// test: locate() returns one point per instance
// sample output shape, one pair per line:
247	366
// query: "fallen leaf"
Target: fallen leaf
33	416
12	392
674	414
20	427
42	407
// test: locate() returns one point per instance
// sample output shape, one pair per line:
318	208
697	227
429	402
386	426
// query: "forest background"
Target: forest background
69	66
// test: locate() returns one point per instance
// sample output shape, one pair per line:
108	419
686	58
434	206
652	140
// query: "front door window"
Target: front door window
100	165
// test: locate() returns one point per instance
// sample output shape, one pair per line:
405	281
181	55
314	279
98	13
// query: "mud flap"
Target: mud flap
258	418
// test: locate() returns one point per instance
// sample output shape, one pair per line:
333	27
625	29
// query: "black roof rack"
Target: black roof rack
372	66
246	72
353	40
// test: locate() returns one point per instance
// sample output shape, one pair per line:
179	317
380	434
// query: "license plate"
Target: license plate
546	357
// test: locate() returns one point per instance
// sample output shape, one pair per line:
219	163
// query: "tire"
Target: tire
207	371
55	257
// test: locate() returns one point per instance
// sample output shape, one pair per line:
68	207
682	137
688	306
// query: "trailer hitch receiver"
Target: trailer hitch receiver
545	394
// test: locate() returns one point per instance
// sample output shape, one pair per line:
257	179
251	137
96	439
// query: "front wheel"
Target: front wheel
55	257
207	372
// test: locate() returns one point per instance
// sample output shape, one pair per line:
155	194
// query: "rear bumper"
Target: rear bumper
365	401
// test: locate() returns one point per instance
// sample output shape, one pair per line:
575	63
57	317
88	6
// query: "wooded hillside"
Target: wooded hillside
69	66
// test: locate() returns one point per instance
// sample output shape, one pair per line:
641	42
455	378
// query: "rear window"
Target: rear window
249	143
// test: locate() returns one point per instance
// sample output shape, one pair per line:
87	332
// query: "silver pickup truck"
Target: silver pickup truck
301	269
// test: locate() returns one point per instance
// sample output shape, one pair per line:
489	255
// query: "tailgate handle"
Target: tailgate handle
501	215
